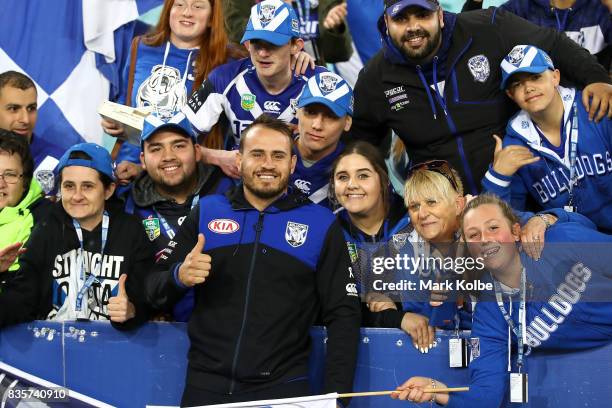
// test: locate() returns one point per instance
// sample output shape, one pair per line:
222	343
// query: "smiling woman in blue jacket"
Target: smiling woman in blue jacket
561	302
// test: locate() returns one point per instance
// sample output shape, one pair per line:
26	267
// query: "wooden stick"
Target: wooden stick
375	393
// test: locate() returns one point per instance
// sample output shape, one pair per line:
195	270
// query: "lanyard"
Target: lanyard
87	282
520	331
573	152
169	231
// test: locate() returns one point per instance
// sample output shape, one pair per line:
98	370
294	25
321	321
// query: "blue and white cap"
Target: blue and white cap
179	123
524	58
273	21
330	90
100	159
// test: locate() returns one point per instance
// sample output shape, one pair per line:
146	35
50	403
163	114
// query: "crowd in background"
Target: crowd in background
291	145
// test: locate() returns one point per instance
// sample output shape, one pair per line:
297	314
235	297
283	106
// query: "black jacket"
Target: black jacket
272	273
146	202
457	125
43	279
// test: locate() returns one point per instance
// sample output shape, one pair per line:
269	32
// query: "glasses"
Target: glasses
439	166
10	177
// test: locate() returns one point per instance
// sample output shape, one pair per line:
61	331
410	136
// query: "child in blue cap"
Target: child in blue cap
552	152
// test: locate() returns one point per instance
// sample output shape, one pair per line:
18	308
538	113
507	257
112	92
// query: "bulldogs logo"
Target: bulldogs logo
46	179
516	55
164	90
327	83
266	13
295	234
479	68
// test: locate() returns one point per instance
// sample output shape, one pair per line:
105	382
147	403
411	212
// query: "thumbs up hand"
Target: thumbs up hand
507	160
120	309
196	267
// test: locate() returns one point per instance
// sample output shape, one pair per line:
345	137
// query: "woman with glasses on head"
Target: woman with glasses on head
375	226
22	202
84	254
560	302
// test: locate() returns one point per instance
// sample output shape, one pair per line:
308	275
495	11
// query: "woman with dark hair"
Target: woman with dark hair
22	202
559	302
375	225
79	258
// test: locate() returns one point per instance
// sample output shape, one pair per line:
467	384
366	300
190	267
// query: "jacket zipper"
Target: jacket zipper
258	229
453	128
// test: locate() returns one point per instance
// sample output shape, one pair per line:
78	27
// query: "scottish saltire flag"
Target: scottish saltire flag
314	401
73	50
20	389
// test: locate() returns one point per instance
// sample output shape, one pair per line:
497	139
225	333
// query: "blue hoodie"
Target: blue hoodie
583	323
587	22
547	179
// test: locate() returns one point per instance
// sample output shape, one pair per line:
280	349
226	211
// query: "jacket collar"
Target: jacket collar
523	127
293	198
145	194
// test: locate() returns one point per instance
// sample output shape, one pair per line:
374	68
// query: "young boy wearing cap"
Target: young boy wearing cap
325	109
264	83
75	263
552	152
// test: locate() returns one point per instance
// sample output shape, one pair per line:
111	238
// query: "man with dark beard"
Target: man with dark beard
435	82
264	262
171	184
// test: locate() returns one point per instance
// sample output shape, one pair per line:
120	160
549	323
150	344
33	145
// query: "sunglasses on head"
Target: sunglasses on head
439	166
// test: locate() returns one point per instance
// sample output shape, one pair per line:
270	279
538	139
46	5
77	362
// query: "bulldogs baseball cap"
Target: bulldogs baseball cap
524	58
273	21
100	159
330	90
394	7
153	124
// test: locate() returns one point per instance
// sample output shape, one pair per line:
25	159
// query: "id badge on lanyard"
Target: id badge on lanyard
85	282
518	380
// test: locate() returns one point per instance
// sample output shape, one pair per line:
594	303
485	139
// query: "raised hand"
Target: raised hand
196	267
508	160
120	309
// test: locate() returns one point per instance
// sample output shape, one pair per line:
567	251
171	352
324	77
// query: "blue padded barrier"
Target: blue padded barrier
147	366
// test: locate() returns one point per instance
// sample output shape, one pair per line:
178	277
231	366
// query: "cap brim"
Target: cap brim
167	126
398	7
338	111
532	70
269	36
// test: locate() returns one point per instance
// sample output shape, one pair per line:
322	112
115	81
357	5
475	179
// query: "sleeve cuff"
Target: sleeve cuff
177	281
497	179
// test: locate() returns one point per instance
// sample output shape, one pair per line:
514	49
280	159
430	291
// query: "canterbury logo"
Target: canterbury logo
303	185
351	289
223	226
272	106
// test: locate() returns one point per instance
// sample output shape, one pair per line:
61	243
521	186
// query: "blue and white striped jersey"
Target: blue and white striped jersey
234	90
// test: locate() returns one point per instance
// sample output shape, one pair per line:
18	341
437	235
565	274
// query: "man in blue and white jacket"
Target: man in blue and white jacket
273	262
537	158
